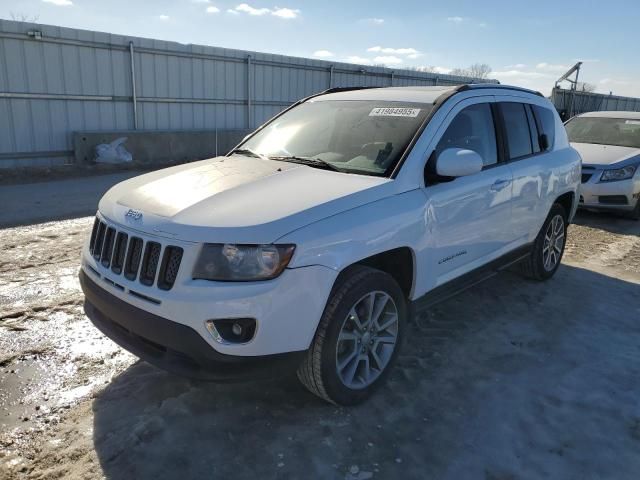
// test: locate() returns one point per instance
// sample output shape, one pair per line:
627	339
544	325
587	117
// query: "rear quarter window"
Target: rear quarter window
546	123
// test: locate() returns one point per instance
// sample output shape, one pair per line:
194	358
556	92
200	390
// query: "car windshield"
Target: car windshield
365	137
621	132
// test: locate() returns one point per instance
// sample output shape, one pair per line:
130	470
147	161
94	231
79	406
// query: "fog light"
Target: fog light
232	330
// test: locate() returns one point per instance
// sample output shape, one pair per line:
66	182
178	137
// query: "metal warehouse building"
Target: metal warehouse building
569	102
60	87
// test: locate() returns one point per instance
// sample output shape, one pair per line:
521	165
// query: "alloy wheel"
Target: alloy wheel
367	340
553	243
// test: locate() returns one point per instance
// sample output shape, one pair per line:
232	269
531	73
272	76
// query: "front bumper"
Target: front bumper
621	195
172	346
286	309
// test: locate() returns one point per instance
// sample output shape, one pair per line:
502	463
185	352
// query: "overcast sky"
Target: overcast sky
527	43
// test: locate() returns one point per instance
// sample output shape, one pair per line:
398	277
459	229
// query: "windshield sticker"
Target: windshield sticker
632	122
394	112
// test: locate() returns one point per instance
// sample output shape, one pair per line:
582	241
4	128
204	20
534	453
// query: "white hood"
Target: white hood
237	199
595	154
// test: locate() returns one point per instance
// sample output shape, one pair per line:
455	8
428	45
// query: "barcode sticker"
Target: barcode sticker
394	112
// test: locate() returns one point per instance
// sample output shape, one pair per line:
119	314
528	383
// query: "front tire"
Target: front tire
358	337
548	247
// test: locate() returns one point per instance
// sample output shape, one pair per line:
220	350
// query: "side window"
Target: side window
547	123
472	129
517	127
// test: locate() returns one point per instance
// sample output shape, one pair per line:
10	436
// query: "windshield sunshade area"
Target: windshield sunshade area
605	131
365	137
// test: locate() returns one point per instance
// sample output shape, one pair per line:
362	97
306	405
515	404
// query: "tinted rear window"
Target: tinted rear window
547	120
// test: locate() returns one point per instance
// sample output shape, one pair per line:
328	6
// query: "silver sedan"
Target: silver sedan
609	143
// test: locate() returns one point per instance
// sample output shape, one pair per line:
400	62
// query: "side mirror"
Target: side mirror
458	162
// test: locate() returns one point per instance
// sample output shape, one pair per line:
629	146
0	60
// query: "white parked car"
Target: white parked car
609	143
309	244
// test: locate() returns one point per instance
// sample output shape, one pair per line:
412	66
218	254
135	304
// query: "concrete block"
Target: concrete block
160	147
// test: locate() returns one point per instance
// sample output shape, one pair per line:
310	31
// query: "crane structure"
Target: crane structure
574	84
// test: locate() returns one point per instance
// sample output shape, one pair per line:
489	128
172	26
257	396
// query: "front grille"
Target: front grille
94	234
150	263
169	267
119	251
613	199
133	257
107	248
587	173
97	246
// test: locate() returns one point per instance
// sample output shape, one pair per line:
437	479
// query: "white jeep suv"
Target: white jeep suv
309	244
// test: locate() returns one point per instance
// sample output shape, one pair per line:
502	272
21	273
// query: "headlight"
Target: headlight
242	263
618	174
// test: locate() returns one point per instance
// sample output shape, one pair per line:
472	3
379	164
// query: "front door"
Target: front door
469	217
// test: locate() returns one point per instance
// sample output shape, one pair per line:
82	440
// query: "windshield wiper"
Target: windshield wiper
312	162
248	151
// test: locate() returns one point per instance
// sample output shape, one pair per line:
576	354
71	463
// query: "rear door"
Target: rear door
530	162
468	217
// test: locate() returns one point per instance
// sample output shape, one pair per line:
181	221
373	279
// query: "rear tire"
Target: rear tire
548	248
358	337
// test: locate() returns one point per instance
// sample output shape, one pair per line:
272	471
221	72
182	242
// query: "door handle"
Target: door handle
500	184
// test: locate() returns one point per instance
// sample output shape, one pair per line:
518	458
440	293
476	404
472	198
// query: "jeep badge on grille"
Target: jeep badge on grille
133	214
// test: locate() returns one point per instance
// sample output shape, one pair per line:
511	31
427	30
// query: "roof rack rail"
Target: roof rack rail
479	86
343	89
330	90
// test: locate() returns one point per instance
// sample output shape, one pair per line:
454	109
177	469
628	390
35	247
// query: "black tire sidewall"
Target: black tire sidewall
374	281
635	213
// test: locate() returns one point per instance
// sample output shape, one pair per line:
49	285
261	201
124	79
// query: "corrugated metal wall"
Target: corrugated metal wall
55	81
573	103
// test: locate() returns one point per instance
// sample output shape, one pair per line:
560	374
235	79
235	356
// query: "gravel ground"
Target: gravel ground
511	379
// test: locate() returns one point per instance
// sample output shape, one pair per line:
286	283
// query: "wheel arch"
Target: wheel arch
397	262
567	200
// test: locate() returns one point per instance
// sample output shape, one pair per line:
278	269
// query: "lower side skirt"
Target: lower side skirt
470	279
